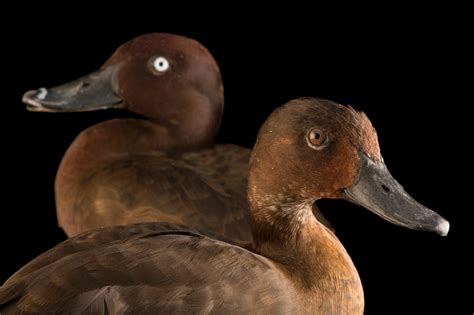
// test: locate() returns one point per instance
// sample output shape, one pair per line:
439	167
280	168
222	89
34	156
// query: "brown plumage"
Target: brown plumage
295	265
160	168
164	167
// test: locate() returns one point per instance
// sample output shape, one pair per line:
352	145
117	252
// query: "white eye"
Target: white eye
161	64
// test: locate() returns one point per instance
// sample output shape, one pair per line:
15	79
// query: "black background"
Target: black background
406	69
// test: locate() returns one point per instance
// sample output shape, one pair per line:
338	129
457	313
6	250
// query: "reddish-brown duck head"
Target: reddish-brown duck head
312	148
170	79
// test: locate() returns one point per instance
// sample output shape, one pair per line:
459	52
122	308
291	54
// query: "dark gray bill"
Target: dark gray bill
379	192
91	92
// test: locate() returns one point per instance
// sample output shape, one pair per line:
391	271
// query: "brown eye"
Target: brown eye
316	138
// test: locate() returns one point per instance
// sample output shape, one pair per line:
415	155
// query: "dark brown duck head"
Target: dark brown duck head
172	80
311	149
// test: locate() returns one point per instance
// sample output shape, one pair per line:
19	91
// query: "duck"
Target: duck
295	265
163	166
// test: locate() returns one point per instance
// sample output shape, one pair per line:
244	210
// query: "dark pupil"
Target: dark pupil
317	135
161	63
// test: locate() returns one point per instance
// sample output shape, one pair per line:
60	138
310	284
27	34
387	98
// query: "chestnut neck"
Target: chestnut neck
135	136
285	230
288	231
118	138
190	128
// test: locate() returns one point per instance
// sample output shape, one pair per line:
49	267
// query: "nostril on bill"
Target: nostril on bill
385	188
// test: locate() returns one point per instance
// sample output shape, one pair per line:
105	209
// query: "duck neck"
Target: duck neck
135	136
180	122
118	138
289	231
308	252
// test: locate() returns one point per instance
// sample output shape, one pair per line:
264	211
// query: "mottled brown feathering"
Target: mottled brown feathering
151	268
203	189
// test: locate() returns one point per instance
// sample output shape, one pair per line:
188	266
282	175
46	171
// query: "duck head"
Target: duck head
170	79
311	148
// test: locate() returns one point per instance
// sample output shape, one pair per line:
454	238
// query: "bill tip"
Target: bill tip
443	227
